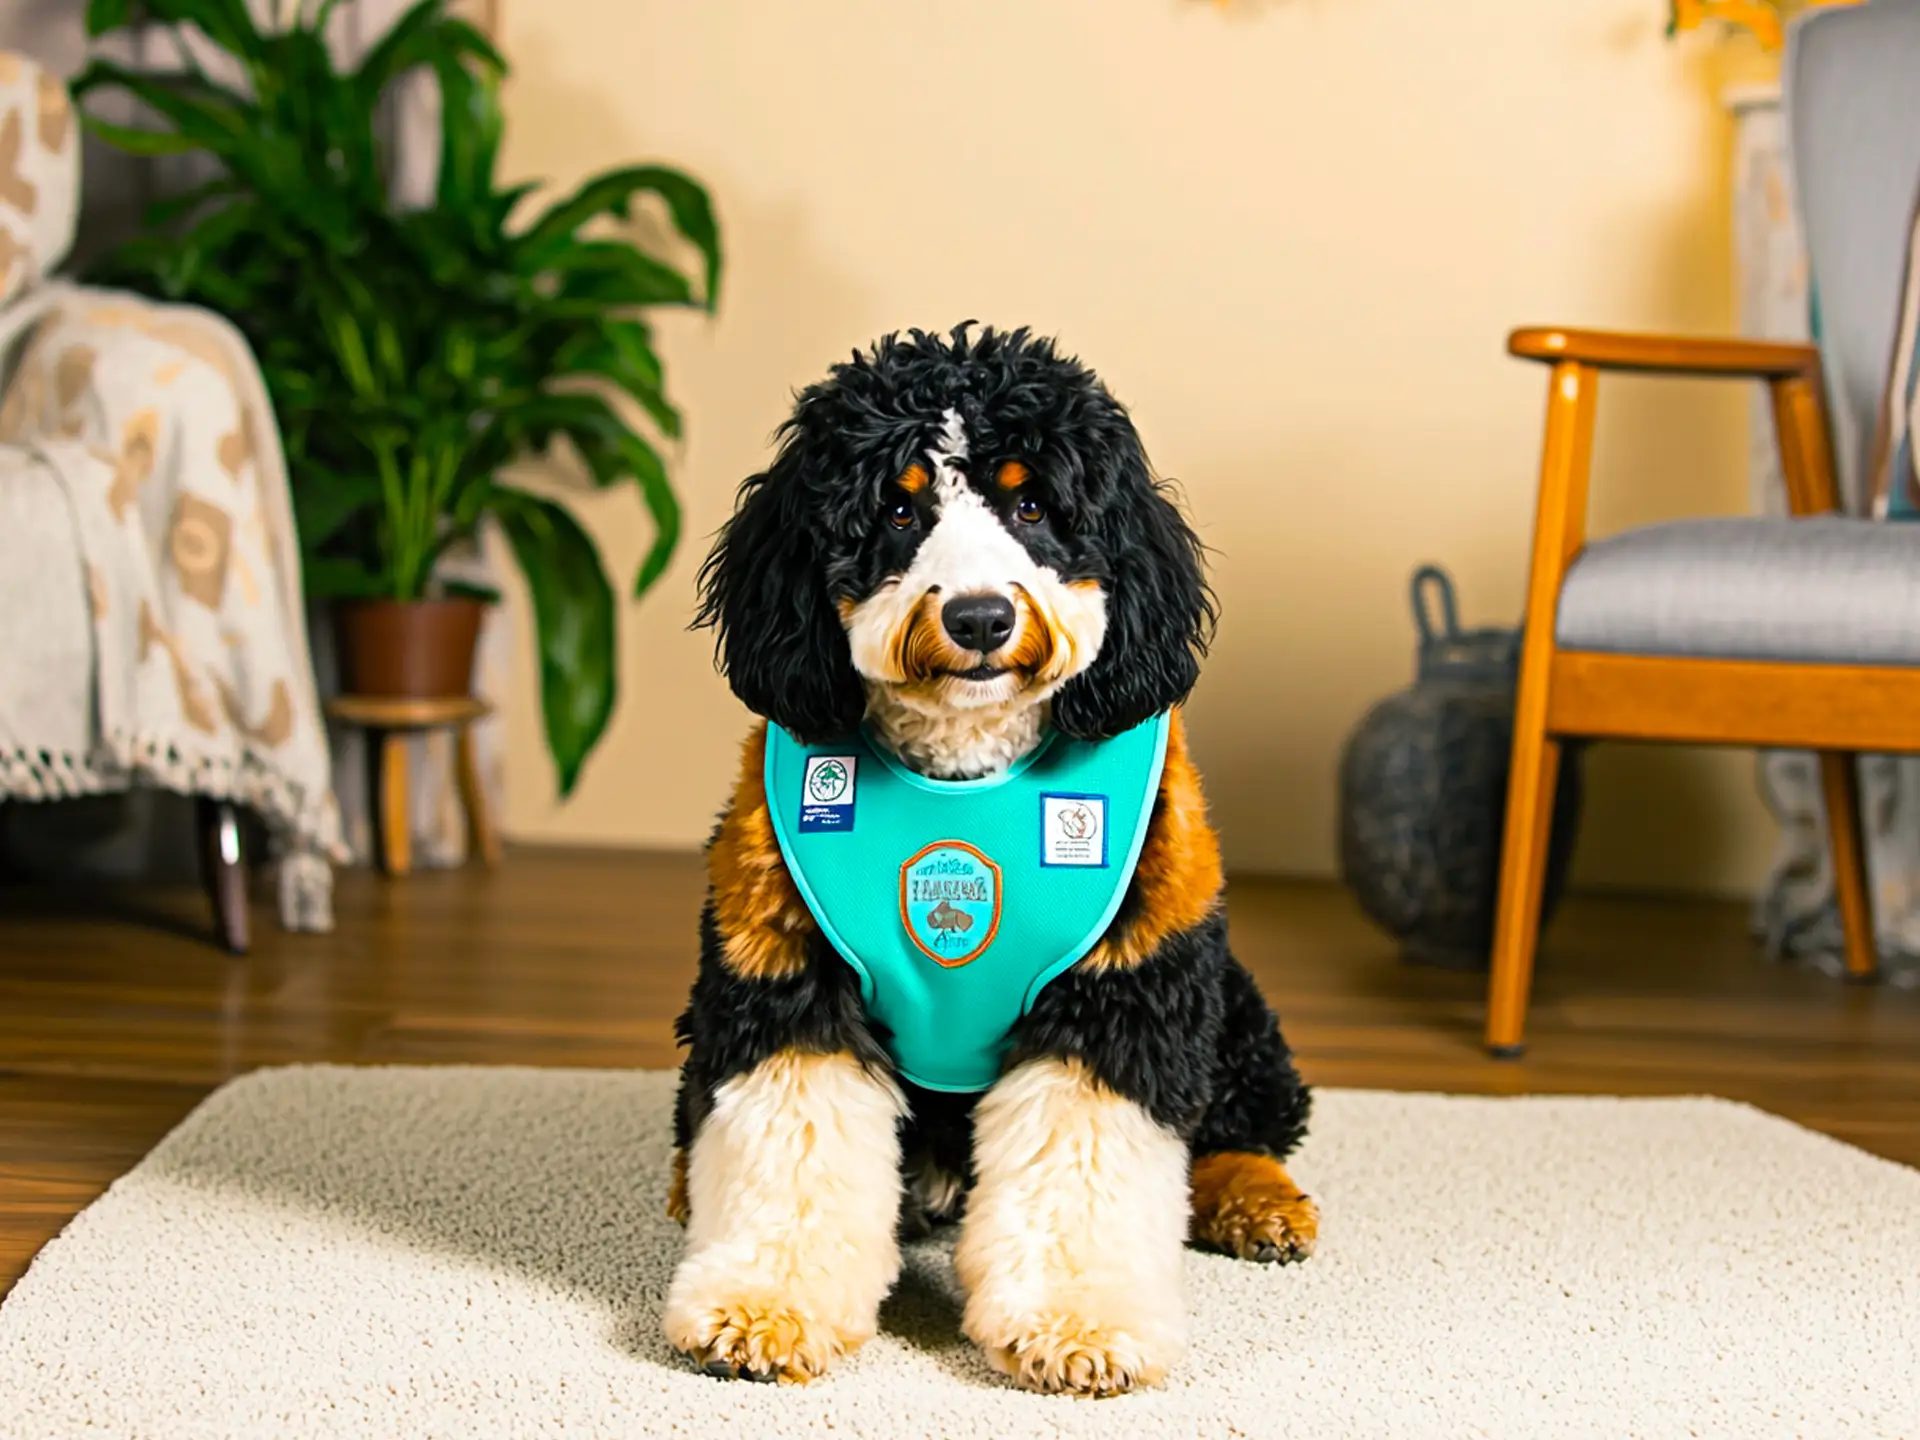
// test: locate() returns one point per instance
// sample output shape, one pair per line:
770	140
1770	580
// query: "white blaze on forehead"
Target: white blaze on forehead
968	550
968	728
949	450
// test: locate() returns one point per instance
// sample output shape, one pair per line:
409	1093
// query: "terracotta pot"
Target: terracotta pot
407	649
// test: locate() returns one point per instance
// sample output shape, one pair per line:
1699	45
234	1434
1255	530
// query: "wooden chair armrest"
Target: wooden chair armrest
1664	354
1792	377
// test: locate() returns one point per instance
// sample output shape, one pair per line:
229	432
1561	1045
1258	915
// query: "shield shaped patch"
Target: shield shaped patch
950	902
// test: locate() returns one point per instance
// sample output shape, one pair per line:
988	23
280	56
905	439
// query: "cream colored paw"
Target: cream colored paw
1065	1354
759	1338
791	1198
1072	1250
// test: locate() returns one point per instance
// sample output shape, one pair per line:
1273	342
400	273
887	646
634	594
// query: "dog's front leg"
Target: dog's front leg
794	1190
1071	1249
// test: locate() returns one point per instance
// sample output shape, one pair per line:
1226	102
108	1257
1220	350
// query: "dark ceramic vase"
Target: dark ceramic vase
1423	791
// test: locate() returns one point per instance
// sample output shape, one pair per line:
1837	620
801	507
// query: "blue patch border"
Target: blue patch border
1106	804
836	819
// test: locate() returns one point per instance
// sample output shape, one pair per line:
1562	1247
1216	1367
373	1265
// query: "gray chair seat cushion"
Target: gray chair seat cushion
1827	590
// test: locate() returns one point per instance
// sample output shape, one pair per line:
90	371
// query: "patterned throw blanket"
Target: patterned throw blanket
150	603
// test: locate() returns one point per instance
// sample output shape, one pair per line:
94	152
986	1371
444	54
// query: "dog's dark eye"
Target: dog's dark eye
900	515
1029	511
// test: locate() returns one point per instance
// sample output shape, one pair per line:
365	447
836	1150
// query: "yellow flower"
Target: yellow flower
1765	19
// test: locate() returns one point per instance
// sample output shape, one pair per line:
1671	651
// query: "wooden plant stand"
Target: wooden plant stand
388	724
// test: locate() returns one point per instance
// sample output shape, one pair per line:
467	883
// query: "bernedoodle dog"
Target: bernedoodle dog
964	954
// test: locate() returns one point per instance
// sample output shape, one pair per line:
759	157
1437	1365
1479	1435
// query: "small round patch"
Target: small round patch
827	782
950	902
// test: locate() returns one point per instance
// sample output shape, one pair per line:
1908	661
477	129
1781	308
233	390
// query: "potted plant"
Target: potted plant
413	354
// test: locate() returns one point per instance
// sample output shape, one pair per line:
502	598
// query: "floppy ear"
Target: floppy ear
1160	613
764	591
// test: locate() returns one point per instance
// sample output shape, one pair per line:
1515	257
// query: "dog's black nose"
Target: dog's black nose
978	622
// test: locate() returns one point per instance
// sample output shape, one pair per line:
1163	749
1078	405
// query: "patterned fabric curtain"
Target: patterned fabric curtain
1795	914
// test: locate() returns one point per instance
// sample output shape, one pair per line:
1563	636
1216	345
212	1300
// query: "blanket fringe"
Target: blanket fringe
46	775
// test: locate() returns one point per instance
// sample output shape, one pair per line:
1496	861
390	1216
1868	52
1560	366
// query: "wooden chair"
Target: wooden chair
1799	633
1839	709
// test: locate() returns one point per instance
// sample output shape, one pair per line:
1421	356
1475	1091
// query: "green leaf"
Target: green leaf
621	351
665	510
203	115
140	142
145	263
468	590
333	577
409	41
422	36
574	619
470	126
502	204
104	16
469	41
606	274
207	251
226	22
325	501
343	330
162	214
612	194
613	455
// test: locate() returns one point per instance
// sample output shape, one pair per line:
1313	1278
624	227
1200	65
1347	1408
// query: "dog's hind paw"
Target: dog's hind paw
745	1340
1246	1205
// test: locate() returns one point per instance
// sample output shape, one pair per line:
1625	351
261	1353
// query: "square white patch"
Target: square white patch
827	793
1073	830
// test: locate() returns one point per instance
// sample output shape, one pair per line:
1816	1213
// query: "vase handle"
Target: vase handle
1426	579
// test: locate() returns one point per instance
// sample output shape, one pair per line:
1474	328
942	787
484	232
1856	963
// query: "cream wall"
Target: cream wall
1290	234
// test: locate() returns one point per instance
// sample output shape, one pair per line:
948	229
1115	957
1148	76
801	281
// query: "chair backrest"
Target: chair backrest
1853	116
39	173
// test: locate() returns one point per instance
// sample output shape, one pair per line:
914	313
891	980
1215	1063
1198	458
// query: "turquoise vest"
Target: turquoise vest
956	901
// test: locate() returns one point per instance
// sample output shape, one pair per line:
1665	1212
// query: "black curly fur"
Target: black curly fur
1186	1036
730	1025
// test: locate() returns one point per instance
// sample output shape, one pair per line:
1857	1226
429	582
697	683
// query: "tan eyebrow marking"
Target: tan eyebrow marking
1012	475
913	479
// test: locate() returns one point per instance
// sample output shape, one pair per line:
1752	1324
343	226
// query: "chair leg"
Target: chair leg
1523	869
223	871
1840	783
483	839
1559	522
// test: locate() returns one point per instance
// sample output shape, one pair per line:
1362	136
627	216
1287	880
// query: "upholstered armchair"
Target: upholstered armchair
151	624
1801	631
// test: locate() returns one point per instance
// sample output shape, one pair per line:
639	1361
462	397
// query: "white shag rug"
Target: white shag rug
468	1252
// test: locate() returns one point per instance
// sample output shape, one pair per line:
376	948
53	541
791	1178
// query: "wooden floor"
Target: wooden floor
112	1026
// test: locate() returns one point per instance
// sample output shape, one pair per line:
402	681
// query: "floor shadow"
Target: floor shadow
172	911
558	1176
924	1307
